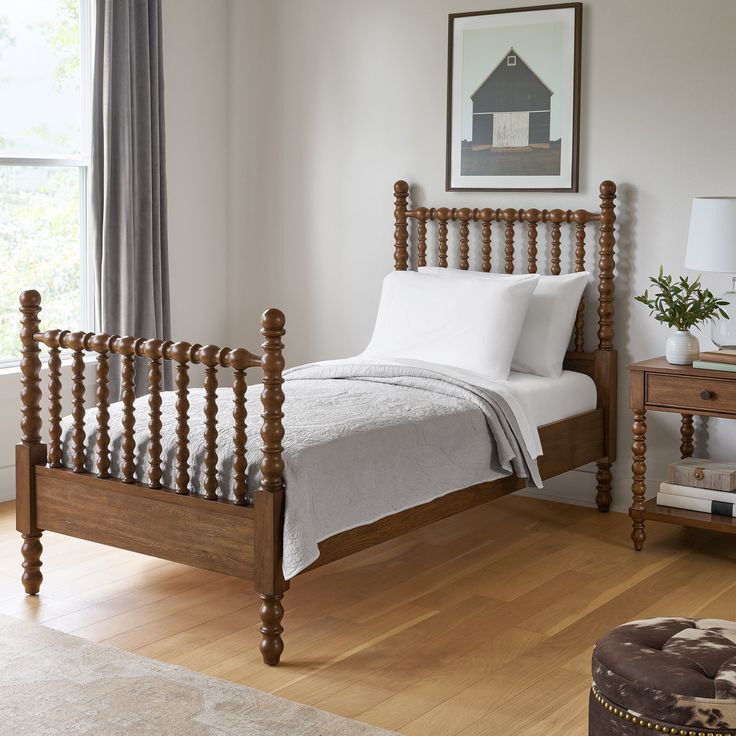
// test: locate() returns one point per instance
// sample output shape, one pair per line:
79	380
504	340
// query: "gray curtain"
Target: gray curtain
128	176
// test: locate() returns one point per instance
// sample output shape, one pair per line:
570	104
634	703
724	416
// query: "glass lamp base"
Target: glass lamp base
723	331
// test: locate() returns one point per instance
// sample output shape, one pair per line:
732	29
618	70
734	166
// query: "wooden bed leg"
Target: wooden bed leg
603	486
269	500
31	451
32	576
272	612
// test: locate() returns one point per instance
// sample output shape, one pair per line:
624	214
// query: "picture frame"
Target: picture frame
513	99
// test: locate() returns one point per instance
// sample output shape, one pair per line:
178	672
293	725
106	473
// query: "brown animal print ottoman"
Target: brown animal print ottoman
666	675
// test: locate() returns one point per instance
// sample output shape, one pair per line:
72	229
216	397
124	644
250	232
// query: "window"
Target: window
511	60
45	81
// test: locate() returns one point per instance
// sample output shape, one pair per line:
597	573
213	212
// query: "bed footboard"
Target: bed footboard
218	529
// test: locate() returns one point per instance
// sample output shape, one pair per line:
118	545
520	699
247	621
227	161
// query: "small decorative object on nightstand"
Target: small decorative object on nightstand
681	304
656	385
711	246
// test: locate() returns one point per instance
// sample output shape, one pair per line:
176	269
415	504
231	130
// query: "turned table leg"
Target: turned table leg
639	485
686	436
272	612
32	576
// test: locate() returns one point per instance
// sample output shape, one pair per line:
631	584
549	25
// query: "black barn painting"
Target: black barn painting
511	107
513	99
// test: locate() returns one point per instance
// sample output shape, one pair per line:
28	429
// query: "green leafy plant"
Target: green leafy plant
681	304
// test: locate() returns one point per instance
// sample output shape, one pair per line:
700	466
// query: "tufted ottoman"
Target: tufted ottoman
666	675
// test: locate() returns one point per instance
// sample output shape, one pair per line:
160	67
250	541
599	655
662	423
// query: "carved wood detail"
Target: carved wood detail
209	356
401	230
272	613
53	340
32	549
639	484
509	216
532	217
422	214
240	415
606	264
443	215
30	368
687	431
181	352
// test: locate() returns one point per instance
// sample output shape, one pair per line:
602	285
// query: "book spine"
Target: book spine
715	358
695	504
680	490
707	365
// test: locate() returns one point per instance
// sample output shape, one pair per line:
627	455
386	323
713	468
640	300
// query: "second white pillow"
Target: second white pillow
548	324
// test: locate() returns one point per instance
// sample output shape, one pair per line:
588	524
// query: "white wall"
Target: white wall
355	98
196	88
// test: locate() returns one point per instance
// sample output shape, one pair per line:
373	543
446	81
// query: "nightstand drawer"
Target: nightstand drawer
688	392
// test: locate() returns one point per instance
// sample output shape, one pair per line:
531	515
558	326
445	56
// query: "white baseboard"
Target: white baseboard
7	483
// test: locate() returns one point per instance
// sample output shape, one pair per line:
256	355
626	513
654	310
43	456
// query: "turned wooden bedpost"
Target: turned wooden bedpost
606	359
401	229
269	498
31	451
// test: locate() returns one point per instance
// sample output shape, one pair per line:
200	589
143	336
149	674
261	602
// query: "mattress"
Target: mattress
547	400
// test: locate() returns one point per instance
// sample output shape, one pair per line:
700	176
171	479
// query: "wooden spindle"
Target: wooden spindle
486	216
238	360
509	216
153	350
209	356
32	451
401	230
101	344
443	215
128	348
181	353
555	249
269	498
30	367
76	341
422	214
580	218
606	265
464	214
532	217
54	340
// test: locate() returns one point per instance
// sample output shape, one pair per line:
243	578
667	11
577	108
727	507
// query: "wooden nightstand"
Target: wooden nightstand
655	385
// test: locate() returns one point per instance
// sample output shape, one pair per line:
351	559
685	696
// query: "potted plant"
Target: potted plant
681	305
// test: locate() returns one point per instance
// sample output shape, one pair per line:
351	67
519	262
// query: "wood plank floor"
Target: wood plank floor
480	624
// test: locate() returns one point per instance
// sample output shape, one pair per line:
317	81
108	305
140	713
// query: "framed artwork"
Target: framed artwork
513	99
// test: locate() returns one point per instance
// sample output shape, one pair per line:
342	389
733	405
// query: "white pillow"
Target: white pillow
548	325
454	322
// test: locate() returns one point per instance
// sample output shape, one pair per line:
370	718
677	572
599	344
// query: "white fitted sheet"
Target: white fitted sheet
548	400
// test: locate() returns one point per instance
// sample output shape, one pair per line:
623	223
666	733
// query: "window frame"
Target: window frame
82	164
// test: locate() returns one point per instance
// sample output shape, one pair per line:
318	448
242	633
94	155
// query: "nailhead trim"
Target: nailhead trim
621	713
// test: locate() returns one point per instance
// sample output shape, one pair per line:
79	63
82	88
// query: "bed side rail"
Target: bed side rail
182	355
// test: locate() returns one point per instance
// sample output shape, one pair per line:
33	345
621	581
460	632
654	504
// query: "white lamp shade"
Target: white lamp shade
711	243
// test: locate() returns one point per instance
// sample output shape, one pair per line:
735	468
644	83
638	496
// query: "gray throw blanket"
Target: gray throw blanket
362	441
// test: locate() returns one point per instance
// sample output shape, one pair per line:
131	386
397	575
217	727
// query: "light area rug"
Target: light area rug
60	685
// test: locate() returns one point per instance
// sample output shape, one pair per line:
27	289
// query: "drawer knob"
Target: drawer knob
705	394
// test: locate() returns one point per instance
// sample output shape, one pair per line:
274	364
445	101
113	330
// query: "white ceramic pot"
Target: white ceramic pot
682	348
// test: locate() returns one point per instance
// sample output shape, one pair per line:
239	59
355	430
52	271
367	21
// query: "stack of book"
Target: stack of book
700	485
717	360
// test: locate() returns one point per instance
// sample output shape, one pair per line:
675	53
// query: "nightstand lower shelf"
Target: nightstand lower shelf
668	515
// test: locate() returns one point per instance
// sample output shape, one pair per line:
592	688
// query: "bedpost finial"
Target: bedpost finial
608	189
273	320
30	299
401	187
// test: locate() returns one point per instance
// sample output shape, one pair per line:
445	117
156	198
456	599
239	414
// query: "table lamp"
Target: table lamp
711	246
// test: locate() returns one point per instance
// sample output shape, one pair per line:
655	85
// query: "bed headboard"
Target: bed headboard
466	216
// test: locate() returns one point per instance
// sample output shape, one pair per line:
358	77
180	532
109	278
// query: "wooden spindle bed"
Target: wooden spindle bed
239	537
